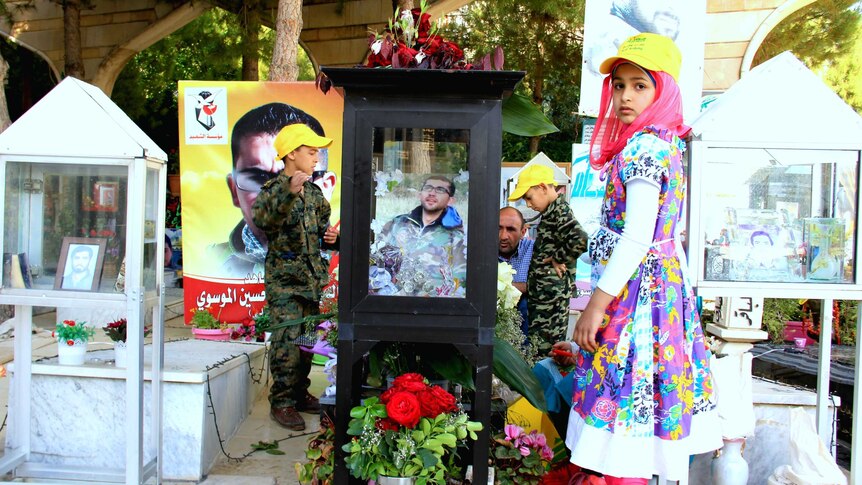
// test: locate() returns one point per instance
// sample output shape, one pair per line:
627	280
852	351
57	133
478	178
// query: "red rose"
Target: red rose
377	60
406	55
387	424
70	343
410	382
403	408
436	401
432	46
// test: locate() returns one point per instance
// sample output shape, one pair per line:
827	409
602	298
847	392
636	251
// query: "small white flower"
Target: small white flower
419	56
507	294
376	46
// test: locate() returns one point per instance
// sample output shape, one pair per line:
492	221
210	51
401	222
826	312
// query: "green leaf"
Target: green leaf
451	366
510	368
523	118
275	452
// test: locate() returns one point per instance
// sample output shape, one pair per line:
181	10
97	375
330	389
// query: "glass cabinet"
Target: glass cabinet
773	221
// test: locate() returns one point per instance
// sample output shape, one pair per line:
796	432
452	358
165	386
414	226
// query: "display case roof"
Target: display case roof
78	120
780	102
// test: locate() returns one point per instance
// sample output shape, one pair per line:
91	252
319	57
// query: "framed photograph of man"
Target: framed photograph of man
80	265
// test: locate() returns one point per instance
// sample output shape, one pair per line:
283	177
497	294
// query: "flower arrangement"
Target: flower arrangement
412	430
202	318
246	331
72	332
521	457
117	329
508	323
411	41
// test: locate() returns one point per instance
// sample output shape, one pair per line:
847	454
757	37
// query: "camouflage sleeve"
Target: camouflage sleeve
273	204
571	238
324	211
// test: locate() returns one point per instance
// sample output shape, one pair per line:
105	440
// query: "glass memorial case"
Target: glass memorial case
775	222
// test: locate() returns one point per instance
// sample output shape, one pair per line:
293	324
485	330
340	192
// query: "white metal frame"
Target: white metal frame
827	292
136	300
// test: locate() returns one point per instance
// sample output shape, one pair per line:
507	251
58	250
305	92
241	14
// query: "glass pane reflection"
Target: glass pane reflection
419	212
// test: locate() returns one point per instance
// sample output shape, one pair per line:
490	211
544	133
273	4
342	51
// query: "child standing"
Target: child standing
559	241
644	398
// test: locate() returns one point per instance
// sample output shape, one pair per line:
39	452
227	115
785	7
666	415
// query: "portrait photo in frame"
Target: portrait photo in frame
80	265
104	199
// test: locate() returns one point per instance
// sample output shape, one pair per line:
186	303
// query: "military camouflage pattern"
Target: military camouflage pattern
561	237
409	259
295	275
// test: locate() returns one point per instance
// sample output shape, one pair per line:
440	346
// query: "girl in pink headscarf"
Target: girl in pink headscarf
643	394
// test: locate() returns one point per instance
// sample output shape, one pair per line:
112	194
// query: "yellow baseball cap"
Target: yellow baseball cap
653	52
531	177
294	136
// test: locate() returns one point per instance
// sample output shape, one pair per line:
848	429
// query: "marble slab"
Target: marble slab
769	448
78	412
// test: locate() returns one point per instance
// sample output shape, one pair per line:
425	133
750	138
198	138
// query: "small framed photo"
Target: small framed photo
80	265
105	195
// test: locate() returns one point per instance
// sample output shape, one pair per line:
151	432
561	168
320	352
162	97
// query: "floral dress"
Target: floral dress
645	400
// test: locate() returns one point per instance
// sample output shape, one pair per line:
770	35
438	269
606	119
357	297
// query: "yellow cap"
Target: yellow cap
650	51
294	136
531	177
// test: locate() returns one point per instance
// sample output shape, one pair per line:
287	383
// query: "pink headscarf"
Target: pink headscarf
611	134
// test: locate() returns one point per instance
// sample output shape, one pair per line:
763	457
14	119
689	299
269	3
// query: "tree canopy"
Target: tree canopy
544	38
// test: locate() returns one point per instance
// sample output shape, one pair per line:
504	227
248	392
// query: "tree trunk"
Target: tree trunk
404	5
5	118
288	26
250	21
74	62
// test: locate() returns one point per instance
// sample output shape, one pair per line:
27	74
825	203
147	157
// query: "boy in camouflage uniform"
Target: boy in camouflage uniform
294	215
559	242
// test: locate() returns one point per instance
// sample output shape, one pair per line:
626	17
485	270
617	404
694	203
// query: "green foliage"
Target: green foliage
262	321
320	455
203	319
541	37
72	331
208	48
776	313
844	73
117	330
511	368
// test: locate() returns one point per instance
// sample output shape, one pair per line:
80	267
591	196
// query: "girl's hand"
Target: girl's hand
560	268
299	177
586	330
562	354
330	235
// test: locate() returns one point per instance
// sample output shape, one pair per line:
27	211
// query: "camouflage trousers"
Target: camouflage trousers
288	364
548	309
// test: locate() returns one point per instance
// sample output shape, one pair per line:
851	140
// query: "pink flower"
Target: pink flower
513	432
525	450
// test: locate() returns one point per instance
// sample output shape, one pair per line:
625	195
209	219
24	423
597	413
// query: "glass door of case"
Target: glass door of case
419	211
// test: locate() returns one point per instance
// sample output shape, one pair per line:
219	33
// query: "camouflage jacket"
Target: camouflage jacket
294	226
559	236
412	259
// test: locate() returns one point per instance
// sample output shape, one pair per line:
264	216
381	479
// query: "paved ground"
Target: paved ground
234	468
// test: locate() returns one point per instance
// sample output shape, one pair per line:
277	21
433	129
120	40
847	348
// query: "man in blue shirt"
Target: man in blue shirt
516	249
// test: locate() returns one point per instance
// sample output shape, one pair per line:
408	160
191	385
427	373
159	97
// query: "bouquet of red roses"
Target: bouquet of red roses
412	430
411	41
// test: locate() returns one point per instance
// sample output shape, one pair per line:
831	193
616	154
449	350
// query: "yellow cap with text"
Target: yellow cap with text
653	52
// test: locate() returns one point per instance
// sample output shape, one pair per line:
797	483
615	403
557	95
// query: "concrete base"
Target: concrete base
77	412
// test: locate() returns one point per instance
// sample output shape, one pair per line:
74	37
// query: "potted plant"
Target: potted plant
117	332
207	327
72	338
320	455
520	457
410	434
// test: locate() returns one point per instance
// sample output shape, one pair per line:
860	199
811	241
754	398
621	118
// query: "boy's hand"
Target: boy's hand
330	235
299	177
586	329
560	268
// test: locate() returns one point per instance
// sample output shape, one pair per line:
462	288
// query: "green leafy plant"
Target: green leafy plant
203	319
117	330
412	430
71	332
520	457
320	456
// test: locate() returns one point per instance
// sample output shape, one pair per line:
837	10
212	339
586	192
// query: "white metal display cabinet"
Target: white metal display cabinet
103	180
773	202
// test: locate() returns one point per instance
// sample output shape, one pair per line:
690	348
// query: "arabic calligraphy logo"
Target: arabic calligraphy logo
205	108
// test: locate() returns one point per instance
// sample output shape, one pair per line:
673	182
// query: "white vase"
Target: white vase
381	480
71	354
120	354
730	468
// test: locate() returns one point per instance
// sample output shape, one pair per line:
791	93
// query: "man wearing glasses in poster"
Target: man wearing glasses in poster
423	252
254	164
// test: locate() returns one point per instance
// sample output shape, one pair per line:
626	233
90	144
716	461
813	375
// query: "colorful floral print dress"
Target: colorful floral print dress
645	400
